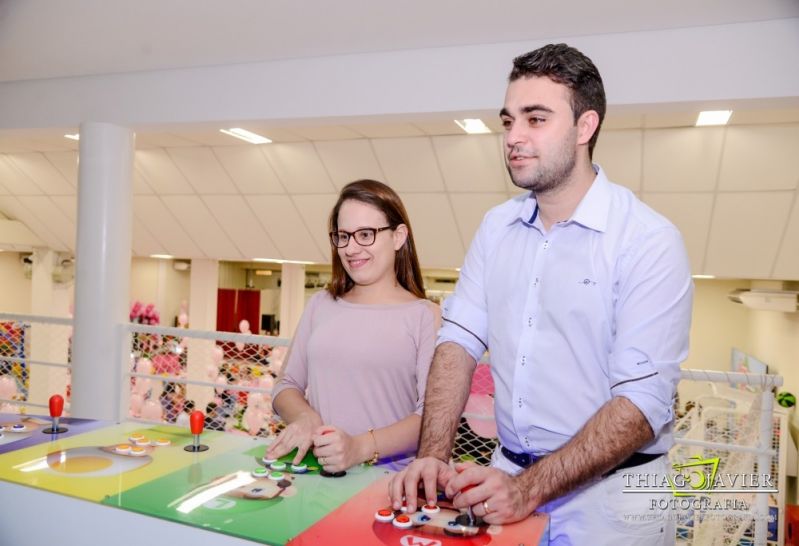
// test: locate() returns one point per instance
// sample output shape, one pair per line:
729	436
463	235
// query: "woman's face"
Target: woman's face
367	265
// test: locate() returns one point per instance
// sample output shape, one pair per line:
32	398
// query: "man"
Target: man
582	295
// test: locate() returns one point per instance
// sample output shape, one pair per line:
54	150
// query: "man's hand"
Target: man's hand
431	472
494	495
297	434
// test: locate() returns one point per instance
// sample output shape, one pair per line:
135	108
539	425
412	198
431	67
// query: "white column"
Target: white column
203	287
49	342
102	279
292	297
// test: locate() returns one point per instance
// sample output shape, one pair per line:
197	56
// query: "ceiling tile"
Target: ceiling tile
746	117
43	174
14	180
760	158
43	208
286	228
410	164
160	223
744	233
67	204
330	132
619	154
469	211
315	210
249	169
690	212
787	264
140	185
142	241
437	240
470	163
202	169
241	225
682	159
387	130
299	168
161	173
348	160
439	127
147	140
66	163
196	220
12	208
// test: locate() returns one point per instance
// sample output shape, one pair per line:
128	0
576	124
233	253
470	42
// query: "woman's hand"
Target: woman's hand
299	434
336	450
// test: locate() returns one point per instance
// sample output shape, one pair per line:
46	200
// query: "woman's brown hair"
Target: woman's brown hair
386	200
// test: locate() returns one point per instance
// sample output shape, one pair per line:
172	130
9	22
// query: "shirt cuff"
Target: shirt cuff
657	411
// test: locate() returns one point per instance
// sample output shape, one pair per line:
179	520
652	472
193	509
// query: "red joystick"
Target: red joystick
196	424
56	405
56	408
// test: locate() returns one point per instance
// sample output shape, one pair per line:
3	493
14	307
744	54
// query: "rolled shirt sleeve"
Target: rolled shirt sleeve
653	319
464	314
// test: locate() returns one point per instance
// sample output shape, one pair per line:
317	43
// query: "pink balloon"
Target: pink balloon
240	346
211	370
244	326
151	411
220	380
144	365
8	387
480	415
253	419
142	385
183	319
217	354
265	382
136	402
482	382
255	400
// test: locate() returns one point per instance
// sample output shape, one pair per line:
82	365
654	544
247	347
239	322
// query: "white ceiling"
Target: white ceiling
198	193
46	39
731	190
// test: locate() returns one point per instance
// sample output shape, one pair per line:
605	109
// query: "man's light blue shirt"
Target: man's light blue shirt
599	306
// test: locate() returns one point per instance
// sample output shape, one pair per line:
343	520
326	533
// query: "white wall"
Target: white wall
15	295
158	282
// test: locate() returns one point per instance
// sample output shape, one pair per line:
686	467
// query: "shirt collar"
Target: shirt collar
592	212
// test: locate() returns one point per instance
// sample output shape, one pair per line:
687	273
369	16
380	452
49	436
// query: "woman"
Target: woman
363	347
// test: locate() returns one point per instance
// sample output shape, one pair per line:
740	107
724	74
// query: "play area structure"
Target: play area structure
195	419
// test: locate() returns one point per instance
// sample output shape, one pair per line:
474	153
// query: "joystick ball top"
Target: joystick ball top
56	405
196	422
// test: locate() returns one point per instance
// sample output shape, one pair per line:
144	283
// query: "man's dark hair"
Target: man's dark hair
567	66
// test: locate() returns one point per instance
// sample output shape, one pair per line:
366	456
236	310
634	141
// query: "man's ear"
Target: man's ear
587	125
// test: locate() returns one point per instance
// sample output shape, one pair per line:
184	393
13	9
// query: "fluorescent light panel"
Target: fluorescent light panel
703	276
473	126
246	135
162	256
713	117
76	136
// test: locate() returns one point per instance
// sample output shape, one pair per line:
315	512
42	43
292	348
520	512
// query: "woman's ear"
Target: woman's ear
400	236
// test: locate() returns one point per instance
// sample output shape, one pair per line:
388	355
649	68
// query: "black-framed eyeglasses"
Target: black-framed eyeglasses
363	236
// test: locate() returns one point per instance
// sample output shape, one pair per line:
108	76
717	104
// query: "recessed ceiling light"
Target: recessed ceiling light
162	256
713	117
246	135
76	136
473	126
703	276
276	261
263	272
